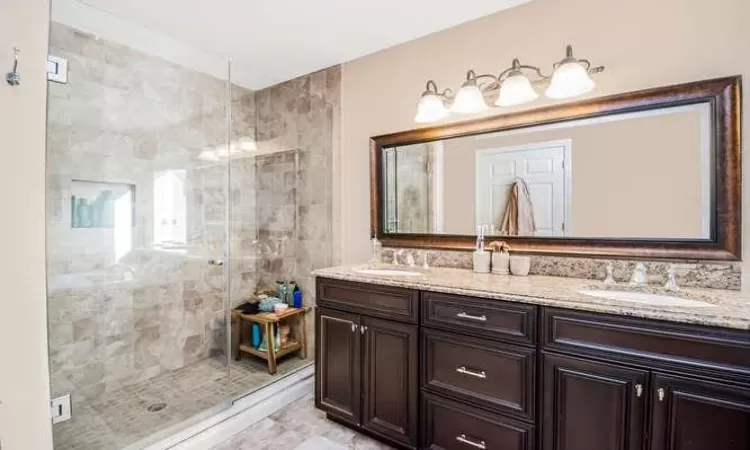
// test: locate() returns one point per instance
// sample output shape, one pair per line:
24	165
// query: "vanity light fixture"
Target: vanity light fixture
431	107
571	77
470	98
514	86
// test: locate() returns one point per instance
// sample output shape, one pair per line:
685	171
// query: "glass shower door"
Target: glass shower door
137	232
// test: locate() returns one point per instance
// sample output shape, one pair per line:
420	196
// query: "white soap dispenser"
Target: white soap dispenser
481	256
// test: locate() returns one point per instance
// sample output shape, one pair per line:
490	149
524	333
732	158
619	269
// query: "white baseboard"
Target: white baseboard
244	412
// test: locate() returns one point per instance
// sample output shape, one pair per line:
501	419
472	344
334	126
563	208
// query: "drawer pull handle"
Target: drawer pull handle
466	371
463	315
363	329
476	444
661	393
354	327
638	390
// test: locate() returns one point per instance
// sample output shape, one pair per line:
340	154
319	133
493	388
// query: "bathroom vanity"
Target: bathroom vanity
449	359
454	360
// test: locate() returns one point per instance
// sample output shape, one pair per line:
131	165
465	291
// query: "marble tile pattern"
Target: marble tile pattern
297	130
300	426
707	274
120	418
126	117
731	308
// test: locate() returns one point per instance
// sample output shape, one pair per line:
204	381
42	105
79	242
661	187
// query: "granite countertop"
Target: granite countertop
729	309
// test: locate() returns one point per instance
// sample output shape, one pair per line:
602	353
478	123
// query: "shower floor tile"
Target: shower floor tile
299	426
120	418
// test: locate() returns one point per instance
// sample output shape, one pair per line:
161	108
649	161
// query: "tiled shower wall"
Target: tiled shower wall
125	117
297	123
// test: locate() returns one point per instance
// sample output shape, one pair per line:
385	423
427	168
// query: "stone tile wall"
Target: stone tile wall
711	275
126	117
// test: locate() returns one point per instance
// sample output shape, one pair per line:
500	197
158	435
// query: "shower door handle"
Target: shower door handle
215	262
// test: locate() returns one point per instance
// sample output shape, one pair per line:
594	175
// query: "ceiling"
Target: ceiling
269	41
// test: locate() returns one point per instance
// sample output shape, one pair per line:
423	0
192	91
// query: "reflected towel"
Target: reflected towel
518	219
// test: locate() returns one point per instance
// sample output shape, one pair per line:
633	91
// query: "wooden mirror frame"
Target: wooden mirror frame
724	96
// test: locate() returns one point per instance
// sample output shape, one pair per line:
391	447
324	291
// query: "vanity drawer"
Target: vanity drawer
481	317
667	343
369	299
485	373
452	426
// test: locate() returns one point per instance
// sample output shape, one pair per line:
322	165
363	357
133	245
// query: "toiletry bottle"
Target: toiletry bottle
290	288
281	291
481	256
377	251
297	298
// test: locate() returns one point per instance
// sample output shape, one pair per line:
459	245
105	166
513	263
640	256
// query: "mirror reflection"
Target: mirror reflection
634	175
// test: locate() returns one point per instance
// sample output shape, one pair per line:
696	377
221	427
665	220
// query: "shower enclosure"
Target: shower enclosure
172	196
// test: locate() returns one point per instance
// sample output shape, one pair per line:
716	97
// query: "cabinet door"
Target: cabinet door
591	405
390	380
691	414
338	364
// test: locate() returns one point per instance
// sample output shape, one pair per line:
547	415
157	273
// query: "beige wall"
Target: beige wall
630	178
643	44
24	379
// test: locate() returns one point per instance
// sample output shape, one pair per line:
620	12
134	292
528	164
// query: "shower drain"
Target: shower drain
156	407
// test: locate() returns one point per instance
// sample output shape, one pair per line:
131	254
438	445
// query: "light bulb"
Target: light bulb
469	99
430	108
516	90
570	79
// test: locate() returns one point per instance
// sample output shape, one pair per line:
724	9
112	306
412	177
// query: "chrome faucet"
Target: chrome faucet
410	260
639	275
671	284
396	254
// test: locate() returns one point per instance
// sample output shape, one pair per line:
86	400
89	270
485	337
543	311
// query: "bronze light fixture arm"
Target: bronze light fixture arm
584	62
432	88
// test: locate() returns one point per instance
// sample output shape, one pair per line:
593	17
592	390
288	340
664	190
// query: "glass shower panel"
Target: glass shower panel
137	230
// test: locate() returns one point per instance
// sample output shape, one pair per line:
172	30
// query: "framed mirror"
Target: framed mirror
652	174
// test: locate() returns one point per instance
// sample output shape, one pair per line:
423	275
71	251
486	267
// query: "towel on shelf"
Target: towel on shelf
518	219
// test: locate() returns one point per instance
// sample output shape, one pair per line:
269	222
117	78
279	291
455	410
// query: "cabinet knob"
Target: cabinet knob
480	444
363	329
638	390
661	393
354	327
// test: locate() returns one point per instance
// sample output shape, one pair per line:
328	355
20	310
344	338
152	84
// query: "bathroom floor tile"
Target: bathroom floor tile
299	426
120	418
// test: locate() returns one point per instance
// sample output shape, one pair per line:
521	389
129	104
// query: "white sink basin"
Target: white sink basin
645	298
389	272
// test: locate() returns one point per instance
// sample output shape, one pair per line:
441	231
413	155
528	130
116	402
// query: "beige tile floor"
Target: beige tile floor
120	418
300	426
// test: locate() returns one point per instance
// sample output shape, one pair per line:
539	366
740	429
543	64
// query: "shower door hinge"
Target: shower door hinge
57	69
60	408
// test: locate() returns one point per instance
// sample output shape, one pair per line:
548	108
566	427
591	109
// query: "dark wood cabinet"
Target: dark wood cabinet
338	365
493	375
440	371
592	405
367	366
451	425
691	414
390	379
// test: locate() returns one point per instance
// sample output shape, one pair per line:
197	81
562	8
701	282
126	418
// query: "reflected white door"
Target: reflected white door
545	167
